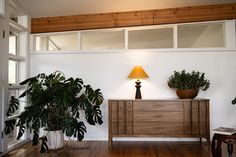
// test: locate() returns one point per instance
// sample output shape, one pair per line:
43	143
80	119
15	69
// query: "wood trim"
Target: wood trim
165	136
199	123
134	18
110	123
125	120
208	121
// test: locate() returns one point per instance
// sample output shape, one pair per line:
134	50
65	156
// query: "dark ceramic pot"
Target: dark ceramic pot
187	93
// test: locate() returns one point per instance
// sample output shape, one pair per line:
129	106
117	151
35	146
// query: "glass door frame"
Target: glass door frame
3	83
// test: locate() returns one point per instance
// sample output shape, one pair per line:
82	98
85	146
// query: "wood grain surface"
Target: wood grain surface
123	149
134	18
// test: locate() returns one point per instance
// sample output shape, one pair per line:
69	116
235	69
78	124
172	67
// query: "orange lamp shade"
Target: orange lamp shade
138	73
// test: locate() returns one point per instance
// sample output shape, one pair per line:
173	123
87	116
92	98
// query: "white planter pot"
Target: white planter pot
55	139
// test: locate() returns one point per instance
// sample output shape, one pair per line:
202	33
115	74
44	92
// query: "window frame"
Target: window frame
16	42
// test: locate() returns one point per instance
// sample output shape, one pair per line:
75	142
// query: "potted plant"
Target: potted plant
55	105
187	85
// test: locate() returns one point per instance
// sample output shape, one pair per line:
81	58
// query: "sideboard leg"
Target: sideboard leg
230	149
209	139
218	148
110	143
213	147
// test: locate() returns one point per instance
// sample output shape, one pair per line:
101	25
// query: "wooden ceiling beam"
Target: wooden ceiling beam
134	18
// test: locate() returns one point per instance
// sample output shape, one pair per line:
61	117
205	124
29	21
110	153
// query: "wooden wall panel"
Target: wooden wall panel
187	118
195	118
113	115
134	18
129	118
203	117
121	117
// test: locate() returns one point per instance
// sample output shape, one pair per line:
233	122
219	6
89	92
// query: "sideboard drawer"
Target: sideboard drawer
158	116
155	105
158	128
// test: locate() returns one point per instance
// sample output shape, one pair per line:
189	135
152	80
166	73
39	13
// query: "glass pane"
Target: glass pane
11	138
51	46
102	40
16	13
67	41
12	43
14	19
151	38
38	43
22	101
201	35
12	72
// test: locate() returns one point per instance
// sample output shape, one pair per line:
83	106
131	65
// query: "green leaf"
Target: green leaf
44	146
25	93
21	132
234	101
184	80
13	106
94	115
32	79
80	130
35	139
9	126
36	124
70	124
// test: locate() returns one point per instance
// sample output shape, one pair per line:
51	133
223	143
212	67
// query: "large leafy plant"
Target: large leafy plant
55	103
184	80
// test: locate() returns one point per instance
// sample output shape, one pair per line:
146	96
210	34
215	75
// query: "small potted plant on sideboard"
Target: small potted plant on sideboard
187	84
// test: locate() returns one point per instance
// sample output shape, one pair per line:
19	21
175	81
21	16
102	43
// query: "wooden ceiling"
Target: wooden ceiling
134	18
50	8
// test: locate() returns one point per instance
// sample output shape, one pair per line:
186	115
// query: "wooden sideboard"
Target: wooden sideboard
159	118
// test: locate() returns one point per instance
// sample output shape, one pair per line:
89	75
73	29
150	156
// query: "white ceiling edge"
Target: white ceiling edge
49	8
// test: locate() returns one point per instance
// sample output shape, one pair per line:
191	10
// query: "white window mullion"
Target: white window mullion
79	42
126	39
16	58
175	36
230	34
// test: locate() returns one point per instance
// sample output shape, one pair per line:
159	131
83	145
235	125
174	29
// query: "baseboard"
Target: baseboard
15	146
143	139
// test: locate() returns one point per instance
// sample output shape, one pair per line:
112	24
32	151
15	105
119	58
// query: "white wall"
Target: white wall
109	71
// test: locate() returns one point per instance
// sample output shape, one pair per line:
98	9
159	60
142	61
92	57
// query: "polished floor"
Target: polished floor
122	149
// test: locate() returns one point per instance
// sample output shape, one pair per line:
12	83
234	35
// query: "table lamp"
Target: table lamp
138	73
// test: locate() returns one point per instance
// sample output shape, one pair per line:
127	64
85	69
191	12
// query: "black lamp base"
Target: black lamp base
138	91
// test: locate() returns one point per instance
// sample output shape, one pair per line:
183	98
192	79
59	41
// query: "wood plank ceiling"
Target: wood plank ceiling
134	18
